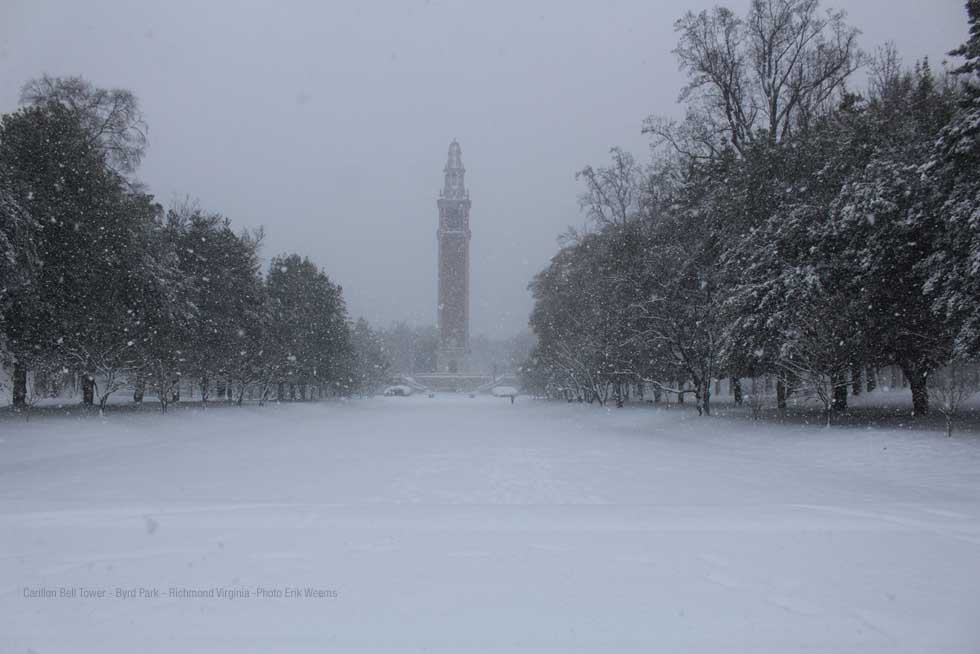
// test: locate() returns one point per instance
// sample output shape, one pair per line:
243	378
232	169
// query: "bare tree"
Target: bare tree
952	386
612	194
112	117
816	380
764	76
816	354
112	362
885	70
38	385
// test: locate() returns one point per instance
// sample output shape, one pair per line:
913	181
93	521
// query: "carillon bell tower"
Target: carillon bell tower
454	267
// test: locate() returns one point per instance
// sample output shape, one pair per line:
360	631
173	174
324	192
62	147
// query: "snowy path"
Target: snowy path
470	525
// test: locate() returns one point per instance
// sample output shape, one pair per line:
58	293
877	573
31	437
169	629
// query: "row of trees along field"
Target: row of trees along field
102	285
787	226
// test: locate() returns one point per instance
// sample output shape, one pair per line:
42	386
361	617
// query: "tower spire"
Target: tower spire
454	187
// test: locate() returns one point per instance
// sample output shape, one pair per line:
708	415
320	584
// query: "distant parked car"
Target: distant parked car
505	391
398	391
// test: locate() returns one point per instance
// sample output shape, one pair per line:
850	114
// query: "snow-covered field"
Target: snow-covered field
473	525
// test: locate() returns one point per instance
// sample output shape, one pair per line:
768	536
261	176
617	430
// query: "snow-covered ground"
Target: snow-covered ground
473	525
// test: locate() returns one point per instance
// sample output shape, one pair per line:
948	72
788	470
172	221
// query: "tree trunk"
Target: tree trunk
88	389
706	398
737	390
699	389
139	389
855	380
920	394
20	386
840	394
163	392
205	389
680	394
781	395
871	376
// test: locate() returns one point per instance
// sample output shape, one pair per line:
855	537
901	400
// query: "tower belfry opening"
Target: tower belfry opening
454	266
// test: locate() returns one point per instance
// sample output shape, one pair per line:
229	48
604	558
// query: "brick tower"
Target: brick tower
454	267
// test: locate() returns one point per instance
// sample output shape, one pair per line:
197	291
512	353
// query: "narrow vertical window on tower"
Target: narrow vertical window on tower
454	266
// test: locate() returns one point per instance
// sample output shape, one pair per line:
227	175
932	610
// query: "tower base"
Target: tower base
451	360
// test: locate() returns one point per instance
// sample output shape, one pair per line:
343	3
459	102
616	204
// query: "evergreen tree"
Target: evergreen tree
17	270
952	281
309	338
167	315
77	311
221	269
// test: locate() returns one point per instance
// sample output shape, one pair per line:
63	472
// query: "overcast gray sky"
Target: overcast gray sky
328	122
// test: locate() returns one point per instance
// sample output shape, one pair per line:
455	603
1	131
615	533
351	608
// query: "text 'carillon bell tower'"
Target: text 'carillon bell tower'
454	267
